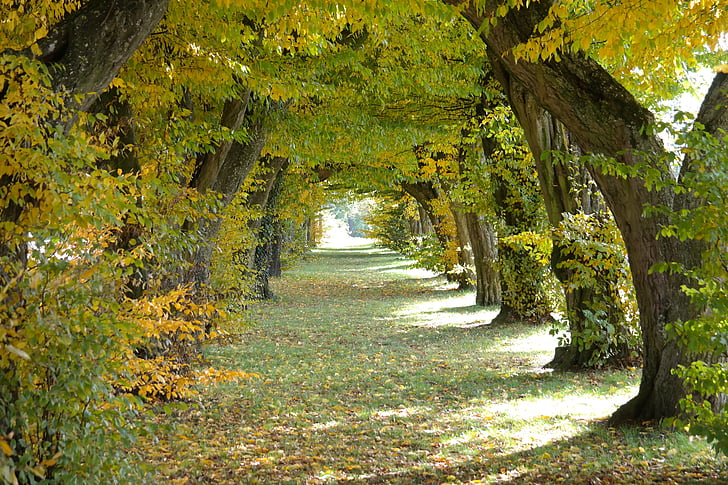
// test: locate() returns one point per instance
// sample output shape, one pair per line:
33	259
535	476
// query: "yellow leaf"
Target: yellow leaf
118	82
723	68
5	447
51	461
585	42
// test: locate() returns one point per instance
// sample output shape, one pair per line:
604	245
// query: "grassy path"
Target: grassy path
371	372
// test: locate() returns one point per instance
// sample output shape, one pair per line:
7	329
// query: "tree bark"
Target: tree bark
515	286
605	119
209	164
226	181
482	236
466	276
268	241
275	268
425	224
86	50
484	243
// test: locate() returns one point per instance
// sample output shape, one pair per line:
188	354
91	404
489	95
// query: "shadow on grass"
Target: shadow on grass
579	459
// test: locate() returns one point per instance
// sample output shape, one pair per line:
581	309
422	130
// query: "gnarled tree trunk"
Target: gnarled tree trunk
562	194
87	49
483	242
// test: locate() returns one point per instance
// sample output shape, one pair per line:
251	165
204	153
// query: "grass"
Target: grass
372	372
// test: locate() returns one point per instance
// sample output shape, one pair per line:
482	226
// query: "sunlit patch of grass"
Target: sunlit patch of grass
447	309
374	376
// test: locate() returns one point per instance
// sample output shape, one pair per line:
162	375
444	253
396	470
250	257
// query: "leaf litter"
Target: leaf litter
357	386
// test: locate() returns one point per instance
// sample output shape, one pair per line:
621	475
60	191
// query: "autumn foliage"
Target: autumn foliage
152	185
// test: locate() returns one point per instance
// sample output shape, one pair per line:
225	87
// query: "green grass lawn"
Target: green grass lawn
373	372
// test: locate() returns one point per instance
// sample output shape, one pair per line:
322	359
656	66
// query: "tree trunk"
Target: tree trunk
604	118
521	287
466	275
275	268
85	52
209	164
87	49
482	237
565	190
523	292
485	255
266	227
314	230
425	226
258	198
415	226
226	181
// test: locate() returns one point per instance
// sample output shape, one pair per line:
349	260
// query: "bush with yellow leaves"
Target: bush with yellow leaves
71	343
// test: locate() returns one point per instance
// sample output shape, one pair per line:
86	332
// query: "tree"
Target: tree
77	71
607	121
106	209
435	206
225	179
599	330
513	189
263	199
49	164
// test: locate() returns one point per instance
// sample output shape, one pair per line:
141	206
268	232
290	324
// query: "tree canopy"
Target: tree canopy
151	147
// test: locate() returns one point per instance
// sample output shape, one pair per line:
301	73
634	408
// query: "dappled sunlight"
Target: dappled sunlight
405	268
528	422
569	406
421	440
379	376
326	426
455	309
536	342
